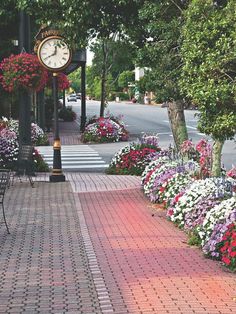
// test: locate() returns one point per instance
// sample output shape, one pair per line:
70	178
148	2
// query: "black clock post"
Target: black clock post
57	175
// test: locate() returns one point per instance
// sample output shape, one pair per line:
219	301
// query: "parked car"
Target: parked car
72	97
78	96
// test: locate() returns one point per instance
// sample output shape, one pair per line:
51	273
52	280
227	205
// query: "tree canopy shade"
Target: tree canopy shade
209	70
81	20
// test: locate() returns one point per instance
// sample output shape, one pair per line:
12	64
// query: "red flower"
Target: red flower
162	189
232	254
23	70
226	260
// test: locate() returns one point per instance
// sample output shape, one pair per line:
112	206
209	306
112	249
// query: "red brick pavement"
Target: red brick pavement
146	264
69	133
98	249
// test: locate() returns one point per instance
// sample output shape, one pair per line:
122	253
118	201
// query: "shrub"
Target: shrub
67	114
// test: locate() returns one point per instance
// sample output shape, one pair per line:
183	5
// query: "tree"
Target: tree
83	20
111	57
125	78
75	78
209	71
158	39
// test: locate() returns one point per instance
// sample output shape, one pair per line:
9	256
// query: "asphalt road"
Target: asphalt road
140	119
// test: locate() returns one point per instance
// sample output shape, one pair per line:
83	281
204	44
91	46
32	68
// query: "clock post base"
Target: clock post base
57	178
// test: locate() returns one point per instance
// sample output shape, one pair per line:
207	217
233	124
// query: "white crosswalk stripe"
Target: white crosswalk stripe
74	157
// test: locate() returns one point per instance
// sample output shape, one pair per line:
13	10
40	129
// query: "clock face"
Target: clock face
54	53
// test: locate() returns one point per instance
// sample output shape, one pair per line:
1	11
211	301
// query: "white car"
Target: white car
72	97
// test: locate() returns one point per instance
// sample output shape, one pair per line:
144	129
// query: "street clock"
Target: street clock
54	53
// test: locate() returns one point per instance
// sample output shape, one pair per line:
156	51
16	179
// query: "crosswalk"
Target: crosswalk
74	157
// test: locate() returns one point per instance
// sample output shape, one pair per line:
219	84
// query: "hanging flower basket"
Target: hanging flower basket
63	82
23	71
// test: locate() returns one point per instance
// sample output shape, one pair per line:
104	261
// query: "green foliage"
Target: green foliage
42	141
158	36
125	78
75	78
81	20
209	69
111	57
122	96
41	165
194	238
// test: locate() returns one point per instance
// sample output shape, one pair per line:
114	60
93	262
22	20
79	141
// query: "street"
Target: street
140	119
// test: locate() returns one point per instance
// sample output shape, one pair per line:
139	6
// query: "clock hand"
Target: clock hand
53	54
49	56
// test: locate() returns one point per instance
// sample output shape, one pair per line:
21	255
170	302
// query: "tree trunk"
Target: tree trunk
103	93
104	78
177	122
216	158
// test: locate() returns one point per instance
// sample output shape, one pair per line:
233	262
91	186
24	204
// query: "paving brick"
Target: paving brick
91	245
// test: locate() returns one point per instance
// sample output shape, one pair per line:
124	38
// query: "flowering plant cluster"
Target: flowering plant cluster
202	153
23	71
150	140
132	159
227	246
104	130
196	192
38	162
217	214
161	181
205	208
232	172
174	186
9	147
63	81
38	137
9	144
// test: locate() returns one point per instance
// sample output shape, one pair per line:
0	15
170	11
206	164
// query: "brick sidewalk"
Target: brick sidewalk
146	264
69	133
93	246
43	264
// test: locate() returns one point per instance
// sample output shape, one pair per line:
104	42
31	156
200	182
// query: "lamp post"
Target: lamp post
57	175
55	55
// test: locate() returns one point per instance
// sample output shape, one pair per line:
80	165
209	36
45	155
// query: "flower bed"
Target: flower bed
38	137
201	153
104	130
133	158
9	144
204	210
162	180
